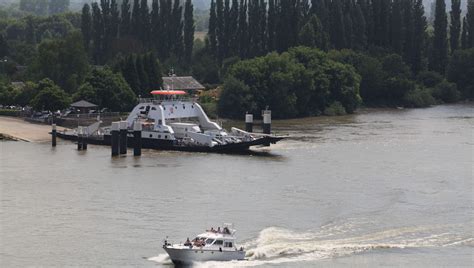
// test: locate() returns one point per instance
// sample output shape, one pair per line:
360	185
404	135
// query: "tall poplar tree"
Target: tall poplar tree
155	23
233	27
396	27
419	37
114	18
470	24
188	31
271	26
464	34
242	32
359	28
321	10
135	20
211	33
86	25
455	28
144	21
338	33
125	18
176	30
439	57
97	33
220	34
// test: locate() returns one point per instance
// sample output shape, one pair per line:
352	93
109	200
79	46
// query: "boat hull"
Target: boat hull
170	145
188	256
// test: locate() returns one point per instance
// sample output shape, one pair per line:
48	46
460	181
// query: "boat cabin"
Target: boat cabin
214	240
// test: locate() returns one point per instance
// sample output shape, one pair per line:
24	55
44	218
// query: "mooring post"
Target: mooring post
267	121
53	135
85	135
137	138
123	137
114	140
249	122
79	138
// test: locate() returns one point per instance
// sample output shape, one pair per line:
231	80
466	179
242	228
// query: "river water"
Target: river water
383	187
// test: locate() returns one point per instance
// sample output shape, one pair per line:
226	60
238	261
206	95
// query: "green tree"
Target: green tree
50	97
439	57
64	61
8	94
108	89
455	28
188	32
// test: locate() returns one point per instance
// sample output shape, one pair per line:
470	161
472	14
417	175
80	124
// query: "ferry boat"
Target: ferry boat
174	121
213	245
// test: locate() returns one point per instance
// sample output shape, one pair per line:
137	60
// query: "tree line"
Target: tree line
253	28
379	53
166	28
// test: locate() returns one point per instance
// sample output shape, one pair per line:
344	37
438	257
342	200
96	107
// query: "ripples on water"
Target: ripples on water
384	187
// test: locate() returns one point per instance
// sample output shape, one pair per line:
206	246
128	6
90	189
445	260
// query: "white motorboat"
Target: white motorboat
213	245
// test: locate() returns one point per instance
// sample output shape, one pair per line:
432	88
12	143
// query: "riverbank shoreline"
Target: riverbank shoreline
15	128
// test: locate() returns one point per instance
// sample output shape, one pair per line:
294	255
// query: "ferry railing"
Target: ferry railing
159	101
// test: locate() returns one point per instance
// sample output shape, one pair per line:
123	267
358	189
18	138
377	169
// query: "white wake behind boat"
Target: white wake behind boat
213	245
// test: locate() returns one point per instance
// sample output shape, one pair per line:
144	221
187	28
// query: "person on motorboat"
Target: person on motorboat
187	243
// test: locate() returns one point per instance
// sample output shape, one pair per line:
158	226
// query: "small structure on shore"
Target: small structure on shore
83	106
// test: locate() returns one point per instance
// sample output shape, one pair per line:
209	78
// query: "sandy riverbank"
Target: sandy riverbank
19	129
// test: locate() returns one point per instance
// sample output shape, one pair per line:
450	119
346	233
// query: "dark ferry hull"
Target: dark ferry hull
170	145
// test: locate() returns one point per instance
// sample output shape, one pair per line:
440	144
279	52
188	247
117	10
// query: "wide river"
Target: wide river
382	187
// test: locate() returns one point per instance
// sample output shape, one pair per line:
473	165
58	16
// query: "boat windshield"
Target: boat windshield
209	241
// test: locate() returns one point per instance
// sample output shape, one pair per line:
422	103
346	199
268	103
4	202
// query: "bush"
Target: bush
235	99
446	92
429	79
300	82
461	71
419	97
335	108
